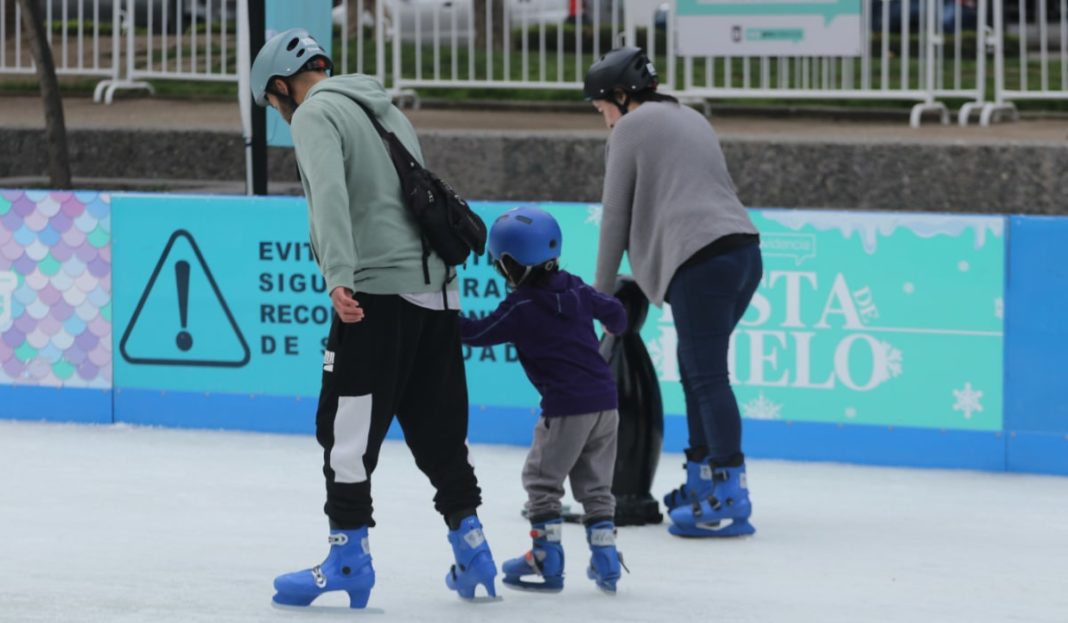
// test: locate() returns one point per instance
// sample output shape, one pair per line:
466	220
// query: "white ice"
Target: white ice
115	524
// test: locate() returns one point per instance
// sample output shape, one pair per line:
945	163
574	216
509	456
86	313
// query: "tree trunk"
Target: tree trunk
497	26
33	28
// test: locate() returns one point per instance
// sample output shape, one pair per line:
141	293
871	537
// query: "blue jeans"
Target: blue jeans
708	298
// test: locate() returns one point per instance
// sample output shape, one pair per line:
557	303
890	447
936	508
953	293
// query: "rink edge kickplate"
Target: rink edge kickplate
327	610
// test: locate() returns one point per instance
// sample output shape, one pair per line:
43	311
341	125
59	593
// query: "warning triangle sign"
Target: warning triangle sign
182	318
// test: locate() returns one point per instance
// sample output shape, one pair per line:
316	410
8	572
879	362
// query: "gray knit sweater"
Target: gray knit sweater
667	195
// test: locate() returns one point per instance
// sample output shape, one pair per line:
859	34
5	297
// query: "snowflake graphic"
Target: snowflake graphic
851	412
893	359
593	215
999	307
967	400
760	408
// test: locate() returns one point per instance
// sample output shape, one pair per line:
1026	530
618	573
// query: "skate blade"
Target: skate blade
606	591
327	610
482	599
718	529
532	587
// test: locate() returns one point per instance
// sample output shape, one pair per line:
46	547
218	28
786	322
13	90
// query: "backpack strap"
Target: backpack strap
398	153
403	161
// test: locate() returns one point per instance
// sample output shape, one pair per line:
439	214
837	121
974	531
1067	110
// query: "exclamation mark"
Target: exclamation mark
181	276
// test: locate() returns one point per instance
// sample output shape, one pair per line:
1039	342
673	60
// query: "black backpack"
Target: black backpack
446	223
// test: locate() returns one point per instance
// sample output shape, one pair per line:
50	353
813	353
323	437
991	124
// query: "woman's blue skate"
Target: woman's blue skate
605	561
474	562
545	560
698	484
723	512
347	568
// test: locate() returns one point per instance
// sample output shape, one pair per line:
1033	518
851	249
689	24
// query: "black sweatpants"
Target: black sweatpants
401	360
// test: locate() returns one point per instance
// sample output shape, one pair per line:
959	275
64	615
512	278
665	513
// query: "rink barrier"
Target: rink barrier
927	294
1036	291
56	404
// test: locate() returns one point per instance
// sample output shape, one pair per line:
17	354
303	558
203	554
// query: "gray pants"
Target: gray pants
580	446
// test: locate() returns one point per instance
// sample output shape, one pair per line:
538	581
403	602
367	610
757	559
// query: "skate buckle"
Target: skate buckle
339	538
474	538
602	537
320	577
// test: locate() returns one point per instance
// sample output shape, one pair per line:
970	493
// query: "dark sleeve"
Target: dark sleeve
497	328
608	310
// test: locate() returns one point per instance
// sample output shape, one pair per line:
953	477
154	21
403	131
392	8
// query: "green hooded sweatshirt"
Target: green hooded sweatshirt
361	232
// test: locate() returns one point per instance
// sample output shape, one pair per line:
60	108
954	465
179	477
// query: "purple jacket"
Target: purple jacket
552	329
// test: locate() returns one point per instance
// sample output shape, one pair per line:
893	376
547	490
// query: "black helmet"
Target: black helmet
628	69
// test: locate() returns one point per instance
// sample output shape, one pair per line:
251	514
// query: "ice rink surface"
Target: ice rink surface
116	524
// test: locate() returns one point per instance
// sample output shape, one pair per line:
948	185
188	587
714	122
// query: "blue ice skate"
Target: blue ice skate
347	568
698	484
724	512
474	562
605	561
545	560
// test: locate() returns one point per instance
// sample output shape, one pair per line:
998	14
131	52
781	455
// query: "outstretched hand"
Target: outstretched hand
347	308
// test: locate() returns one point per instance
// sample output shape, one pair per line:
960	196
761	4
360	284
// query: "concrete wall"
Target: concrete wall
1001	177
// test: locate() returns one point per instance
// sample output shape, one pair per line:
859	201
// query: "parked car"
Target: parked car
455	16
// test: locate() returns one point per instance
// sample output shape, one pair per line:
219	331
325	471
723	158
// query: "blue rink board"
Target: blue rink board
870	445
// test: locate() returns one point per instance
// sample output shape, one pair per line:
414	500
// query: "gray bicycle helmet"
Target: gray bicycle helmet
627	69
284	55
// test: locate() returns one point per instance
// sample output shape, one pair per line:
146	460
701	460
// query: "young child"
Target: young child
549	318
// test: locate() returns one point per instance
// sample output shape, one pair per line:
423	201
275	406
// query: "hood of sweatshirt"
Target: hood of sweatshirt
359	87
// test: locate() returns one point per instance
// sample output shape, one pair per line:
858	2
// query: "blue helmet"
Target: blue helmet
528	235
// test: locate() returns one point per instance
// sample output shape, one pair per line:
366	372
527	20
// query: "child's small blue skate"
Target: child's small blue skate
544	560
724	512
605	561
474	562
347	568
698	484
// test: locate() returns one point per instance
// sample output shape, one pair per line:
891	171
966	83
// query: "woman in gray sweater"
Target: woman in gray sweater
669	202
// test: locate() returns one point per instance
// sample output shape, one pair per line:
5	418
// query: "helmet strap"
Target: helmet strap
622	106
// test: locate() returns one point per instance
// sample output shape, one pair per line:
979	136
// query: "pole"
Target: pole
257	21
244	94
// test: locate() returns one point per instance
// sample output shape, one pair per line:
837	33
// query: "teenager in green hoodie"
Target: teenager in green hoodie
394	347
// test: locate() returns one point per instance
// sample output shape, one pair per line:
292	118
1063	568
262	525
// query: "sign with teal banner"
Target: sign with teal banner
881	319
315	17
769	28
868	318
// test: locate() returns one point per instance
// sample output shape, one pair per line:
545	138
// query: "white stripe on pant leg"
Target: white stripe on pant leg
352	425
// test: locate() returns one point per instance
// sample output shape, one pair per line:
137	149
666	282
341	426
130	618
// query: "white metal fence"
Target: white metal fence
1039	70
80	33
177	40
924	51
